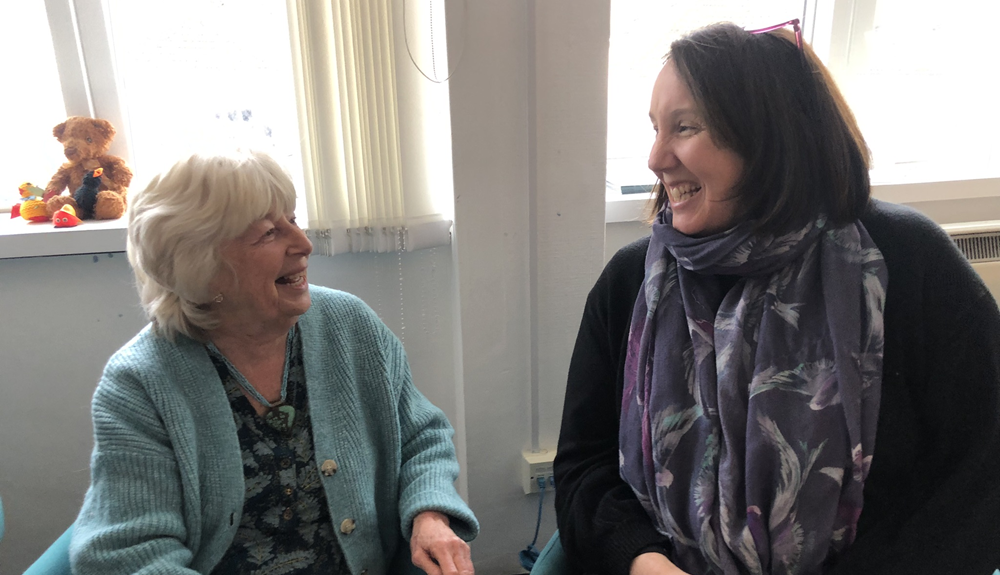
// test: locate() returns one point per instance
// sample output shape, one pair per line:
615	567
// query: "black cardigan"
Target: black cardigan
932	498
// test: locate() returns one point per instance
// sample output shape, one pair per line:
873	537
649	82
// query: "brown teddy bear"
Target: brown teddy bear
85	143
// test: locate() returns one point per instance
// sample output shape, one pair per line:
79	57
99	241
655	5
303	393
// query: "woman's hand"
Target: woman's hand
654	563
436	549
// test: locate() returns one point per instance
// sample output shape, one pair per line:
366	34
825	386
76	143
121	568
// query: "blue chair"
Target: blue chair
552	560
55	560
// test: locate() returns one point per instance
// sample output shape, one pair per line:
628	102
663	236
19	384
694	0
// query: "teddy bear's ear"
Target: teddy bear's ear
105	128
58	130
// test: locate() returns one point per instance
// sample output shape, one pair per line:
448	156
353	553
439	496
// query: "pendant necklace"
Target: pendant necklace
279	415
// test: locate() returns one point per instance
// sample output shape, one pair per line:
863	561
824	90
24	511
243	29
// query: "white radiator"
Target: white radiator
980	242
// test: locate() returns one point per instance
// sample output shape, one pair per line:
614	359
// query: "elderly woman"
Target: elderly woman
786	376
258	424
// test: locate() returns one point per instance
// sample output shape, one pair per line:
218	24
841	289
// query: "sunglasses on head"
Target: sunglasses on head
793	23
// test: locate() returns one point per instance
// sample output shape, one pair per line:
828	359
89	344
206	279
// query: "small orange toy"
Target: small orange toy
34	211
65	217
28	208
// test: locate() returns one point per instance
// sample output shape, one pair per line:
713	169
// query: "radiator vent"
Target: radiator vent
985	248
979	241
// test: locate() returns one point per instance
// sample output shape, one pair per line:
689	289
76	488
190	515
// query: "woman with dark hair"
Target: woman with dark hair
787	376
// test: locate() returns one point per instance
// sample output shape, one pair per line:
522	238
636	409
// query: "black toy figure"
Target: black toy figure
86	195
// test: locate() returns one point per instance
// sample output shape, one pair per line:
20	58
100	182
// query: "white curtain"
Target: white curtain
343	54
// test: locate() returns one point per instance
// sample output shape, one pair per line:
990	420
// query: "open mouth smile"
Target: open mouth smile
296	280
682	192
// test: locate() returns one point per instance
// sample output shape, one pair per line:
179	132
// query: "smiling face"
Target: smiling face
698	177
263	278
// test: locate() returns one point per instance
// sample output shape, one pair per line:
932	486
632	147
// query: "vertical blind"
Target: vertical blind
343	56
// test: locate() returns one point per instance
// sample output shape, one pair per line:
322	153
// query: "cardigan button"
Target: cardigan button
347	526
329	467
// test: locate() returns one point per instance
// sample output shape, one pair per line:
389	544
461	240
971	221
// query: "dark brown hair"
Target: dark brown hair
779	109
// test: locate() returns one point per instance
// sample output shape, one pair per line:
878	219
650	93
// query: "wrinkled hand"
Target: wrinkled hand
436	549
654	564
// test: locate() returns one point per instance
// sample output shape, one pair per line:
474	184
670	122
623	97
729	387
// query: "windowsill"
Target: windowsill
23	239
911	193
622	208
619	208
20	239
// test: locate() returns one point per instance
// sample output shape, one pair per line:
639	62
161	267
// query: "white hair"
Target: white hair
179	222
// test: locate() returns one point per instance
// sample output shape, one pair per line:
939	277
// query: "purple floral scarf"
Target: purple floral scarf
748	417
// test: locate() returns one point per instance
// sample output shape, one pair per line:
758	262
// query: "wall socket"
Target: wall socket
535	464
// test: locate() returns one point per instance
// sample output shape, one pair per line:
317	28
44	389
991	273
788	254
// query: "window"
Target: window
919	78
31	80
922	83
207	71
179	76
641	33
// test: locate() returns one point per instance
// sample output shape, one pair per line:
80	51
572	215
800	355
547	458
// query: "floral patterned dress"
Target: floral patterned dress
285	528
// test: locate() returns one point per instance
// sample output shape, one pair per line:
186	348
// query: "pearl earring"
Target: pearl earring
218	298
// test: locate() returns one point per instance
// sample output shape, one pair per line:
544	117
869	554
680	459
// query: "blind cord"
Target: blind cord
458	61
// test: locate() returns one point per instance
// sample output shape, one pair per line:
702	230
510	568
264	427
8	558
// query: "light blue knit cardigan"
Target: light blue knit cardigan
167	486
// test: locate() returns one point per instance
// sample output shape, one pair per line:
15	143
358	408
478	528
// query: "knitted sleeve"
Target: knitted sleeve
131	520
936	452
428	466
602	525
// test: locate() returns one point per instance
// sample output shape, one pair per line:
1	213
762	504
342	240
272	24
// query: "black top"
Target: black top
932	498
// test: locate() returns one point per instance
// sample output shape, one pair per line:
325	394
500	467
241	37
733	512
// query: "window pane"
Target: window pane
199	73
32	97
924	90
641	33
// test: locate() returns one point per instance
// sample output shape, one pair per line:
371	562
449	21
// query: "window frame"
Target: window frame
92	87
86	64
836	30
86	67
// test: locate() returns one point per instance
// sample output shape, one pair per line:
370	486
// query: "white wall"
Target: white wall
528	109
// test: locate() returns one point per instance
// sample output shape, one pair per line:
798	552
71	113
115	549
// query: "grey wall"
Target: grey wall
62	317
528	113
621	234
